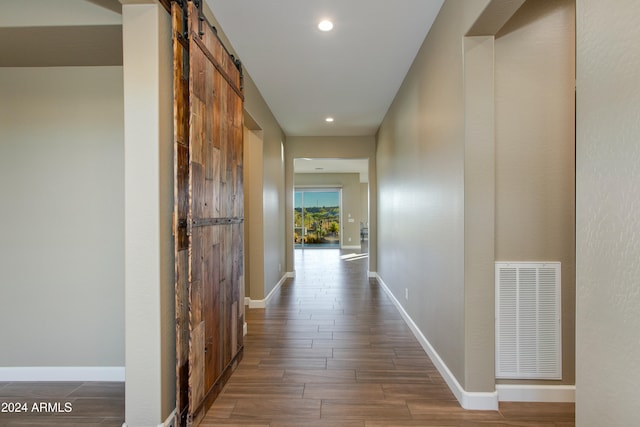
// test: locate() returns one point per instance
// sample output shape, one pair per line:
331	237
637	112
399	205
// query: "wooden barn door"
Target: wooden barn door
208	213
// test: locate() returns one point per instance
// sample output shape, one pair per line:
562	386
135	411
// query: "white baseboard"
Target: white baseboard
63	373
257	303
169	422
244	329
536	393
247	301
262	303
487	401
373	274
352	247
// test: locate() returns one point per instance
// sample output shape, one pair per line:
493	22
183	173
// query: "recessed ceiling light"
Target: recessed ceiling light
325	25
329	119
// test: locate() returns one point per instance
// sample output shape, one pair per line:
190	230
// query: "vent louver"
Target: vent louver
528	323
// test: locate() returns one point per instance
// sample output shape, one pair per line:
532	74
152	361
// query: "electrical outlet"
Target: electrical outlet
406	293
279	268
349	239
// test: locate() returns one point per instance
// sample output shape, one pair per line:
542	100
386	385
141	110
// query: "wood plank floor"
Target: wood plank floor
82	404
330	349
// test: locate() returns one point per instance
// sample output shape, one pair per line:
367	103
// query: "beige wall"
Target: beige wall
447	175
420	171
348	147
148	186
535	148
62	228
273	193
608	202
273	179
33	13
92	266
350	185
364	203
479	213
253	215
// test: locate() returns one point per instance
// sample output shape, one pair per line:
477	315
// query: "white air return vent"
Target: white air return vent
528	326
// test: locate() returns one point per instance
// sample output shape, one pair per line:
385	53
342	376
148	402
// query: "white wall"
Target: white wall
62	209
608	220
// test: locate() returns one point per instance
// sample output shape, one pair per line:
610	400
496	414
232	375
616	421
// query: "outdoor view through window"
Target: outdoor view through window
317	218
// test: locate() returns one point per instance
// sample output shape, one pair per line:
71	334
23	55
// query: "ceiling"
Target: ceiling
305	75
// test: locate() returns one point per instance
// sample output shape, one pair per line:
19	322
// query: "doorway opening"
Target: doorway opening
317	218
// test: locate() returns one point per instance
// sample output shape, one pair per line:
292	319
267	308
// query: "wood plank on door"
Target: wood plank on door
208	210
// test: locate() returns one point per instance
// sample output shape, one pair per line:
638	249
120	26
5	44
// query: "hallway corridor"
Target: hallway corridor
330	349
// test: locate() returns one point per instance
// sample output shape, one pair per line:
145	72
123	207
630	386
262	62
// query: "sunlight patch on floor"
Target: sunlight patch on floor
354	256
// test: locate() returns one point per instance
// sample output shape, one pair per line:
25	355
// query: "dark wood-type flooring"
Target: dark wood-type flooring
89	404
330	349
